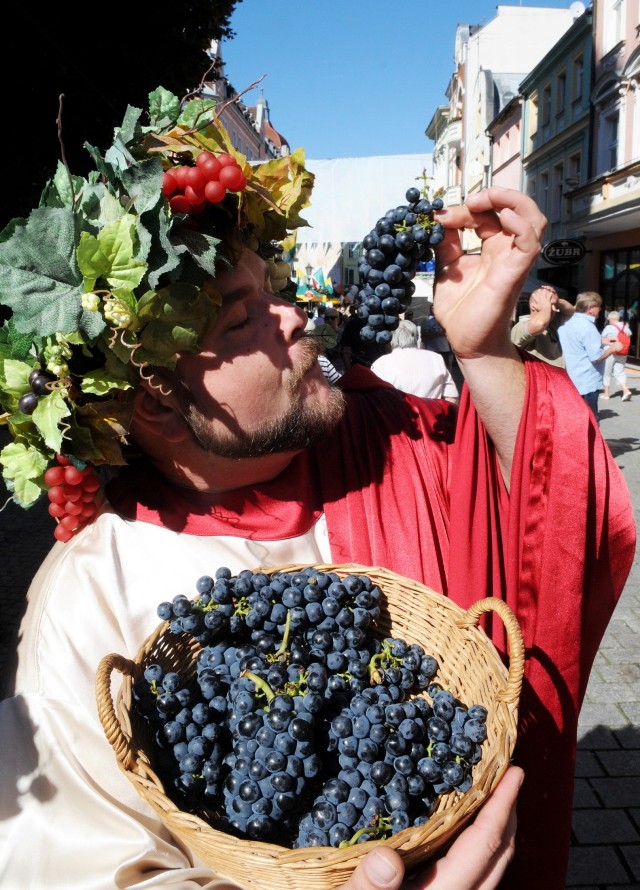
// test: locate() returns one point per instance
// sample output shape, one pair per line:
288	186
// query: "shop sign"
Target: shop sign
563	252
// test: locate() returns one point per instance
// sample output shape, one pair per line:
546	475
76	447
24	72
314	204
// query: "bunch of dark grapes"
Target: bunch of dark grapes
300	726
400	239
41	383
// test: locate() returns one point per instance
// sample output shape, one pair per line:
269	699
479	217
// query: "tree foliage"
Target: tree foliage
100	60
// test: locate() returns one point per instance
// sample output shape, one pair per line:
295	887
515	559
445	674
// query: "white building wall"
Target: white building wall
514	41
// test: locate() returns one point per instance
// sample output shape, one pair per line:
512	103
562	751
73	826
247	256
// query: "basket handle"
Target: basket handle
106	709
511	692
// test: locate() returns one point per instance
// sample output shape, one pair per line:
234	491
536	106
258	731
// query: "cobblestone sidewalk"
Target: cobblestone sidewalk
606	816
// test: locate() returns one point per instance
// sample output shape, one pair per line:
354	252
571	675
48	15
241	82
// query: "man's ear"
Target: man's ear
157	412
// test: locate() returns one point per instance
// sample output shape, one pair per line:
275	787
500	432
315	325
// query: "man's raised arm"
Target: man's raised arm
474	300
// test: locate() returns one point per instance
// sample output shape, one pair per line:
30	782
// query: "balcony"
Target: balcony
610	203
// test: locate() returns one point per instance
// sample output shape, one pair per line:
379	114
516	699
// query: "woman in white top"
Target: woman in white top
615	364
420	372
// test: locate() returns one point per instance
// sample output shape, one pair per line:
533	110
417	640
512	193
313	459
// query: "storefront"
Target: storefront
620	288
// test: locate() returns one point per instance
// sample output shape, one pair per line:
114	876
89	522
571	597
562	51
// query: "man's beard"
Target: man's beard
304	424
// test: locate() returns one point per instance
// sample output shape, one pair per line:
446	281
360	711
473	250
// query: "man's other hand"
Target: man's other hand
476	861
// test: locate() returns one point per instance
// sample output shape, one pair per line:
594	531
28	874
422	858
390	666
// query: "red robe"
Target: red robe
405	485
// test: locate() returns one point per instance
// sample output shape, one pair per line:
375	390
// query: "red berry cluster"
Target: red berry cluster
190	189
73	495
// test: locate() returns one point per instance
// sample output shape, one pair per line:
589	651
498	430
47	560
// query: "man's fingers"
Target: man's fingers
480	855
382	869
498	200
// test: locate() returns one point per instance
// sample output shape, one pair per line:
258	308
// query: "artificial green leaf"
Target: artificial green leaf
176	317
197	113
143	182
100	383
39	275
92	261
202	248
129	126
104	168
117	244
162	257
50	411
164	107
16	377
20	344
99	429
67	186
23	467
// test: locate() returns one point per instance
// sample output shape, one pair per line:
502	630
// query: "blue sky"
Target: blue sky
352	78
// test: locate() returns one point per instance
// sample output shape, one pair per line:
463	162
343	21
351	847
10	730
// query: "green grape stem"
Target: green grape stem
282	650
380	831
261	685
383	659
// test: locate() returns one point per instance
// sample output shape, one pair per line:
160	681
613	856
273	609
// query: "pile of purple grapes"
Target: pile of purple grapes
398	242
300	726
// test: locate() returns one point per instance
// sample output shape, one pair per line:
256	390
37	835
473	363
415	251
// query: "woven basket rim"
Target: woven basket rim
415	844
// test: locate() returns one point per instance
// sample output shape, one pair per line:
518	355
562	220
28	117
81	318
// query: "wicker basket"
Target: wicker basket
470	668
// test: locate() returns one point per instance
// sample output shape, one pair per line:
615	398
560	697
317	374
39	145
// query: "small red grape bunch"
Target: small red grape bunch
74	496
190	189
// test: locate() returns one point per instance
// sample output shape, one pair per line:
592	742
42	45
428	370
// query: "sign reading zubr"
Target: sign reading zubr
563	252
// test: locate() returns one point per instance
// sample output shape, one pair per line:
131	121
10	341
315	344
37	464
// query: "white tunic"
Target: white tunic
70	819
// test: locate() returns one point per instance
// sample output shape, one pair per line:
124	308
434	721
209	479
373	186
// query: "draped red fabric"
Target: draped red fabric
558	549
400	491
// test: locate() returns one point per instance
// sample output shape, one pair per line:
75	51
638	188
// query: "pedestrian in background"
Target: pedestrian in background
537	332
582	348
615	365
420	372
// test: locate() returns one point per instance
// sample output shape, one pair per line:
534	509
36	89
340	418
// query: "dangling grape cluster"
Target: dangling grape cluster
392	250
40	383
73	496
301	726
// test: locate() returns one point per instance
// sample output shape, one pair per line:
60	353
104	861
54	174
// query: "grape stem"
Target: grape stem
374	832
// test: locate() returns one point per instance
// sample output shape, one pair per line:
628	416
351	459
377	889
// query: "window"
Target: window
578	76
556	198
533	122
613	19
610	140
546	104
573	171
543	196
561	92
620	282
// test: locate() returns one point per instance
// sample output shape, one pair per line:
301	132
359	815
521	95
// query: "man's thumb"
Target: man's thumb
382	868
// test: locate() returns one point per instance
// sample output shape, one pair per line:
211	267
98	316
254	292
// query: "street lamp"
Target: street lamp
308	269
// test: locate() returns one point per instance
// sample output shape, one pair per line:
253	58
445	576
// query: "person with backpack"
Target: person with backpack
616	330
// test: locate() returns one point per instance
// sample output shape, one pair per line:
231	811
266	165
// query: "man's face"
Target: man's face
256	387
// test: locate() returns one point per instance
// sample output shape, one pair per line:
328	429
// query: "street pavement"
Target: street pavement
605	852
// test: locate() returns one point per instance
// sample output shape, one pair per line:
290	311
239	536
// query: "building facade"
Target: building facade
569	137
605	210
555	141
249	127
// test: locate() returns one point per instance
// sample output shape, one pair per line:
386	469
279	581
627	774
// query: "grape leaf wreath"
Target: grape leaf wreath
114	274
